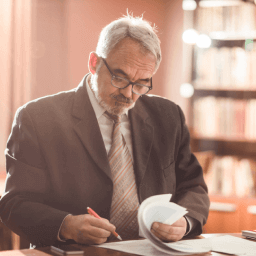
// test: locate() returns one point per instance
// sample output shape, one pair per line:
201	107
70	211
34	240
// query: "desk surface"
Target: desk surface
89	250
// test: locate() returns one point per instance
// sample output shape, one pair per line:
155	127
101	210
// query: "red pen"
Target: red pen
93	213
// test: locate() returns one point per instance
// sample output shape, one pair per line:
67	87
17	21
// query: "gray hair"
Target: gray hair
133	27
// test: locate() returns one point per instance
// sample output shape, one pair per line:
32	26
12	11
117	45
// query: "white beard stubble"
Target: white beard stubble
119	109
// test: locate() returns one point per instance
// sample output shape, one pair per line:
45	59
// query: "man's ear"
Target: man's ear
92	63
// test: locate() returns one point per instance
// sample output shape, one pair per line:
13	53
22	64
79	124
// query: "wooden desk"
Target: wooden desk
89	250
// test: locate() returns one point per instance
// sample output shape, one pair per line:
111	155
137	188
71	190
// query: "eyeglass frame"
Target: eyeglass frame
129	82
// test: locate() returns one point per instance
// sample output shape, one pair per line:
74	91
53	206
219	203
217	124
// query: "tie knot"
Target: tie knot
115	118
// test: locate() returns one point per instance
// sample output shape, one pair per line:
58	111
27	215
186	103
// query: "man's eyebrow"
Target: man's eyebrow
145	80
120	71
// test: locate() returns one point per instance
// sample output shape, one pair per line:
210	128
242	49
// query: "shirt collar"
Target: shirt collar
98	109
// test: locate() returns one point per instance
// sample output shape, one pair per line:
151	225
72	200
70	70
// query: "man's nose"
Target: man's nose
127	92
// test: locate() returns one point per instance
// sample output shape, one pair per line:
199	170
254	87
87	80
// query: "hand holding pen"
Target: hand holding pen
93	213
86	229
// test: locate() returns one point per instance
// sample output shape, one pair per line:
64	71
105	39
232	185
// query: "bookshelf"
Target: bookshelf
224	80
223	111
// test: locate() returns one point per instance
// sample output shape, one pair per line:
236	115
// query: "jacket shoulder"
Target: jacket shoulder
62	100
159	103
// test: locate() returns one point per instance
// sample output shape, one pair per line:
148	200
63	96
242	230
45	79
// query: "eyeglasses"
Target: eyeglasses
121	83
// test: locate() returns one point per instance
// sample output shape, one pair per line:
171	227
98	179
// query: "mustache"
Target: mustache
121	98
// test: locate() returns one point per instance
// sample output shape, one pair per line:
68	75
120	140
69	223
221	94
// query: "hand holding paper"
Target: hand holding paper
168	233
159	210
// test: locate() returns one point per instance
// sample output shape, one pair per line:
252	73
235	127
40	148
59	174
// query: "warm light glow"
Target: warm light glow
190	36
233	35
203	41
186	90
219	3
189	5
219	35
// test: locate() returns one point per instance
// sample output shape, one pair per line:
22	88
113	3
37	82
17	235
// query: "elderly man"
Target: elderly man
105	145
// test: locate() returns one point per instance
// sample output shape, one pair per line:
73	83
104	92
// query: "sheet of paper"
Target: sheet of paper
145	247
159	208
225	244
233	245
139	247
150	200
192	245
164	212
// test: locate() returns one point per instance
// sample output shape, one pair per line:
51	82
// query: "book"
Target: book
230	176
225	117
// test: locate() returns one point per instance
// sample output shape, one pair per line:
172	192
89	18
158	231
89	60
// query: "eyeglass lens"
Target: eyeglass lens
137	88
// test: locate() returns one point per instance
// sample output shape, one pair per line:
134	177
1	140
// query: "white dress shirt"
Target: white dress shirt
106	125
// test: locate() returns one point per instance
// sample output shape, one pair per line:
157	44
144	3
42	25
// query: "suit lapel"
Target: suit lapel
142	139
87	128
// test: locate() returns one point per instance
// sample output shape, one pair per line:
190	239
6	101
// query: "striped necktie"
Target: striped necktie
125	204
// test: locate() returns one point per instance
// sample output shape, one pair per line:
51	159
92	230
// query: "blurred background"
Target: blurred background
208	68
45	45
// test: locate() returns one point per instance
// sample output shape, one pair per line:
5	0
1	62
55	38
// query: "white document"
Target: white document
233	245
144	247
224	244
159	209
139	247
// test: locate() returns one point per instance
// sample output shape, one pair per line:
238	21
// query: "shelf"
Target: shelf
222	145
228	43
226	93
233	36
223	138
214	3
225	39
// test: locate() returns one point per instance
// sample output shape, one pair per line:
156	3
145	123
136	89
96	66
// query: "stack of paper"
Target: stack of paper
159	208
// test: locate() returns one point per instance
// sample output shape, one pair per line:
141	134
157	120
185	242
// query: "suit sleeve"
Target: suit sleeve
24	205
191	190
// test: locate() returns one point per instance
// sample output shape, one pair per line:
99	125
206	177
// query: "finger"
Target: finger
165	228
89	234
165	237
88	239
98	232
110	224
180	222
168	232
106	220
100	223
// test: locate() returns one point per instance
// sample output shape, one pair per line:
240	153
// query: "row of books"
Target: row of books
230	176
218	117
226	18
226	68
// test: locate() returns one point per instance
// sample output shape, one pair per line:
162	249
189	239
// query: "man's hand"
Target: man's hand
168	233
86	229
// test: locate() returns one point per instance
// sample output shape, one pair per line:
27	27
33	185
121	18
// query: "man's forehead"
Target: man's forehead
131	47
131	55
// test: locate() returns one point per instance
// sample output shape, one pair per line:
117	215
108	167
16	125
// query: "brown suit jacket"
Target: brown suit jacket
57	163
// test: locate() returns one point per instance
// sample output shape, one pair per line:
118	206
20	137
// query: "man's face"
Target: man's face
128	61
